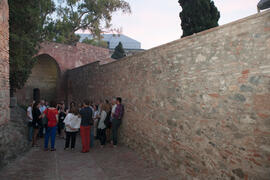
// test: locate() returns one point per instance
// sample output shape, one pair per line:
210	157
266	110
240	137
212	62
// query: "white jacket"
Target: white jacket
101	124
72	121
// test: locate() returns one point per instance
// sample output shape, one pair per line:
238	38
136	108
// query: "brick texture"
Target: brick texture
69	57
4	63
198	106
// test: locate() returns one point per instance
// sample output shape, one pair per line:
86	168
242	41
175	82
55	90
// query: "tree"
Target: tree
91	15
26	31
96	42
198	15
52	20
119	52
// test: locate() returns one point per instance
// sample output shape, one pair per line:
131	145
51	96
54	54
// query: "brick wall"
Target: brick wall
69	57
65	57
198	106
4	63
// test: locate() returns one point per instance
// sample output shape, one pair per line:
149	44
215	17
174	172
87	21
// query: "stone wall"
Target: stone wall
198	106
4	63
69	56
46	77
13	137
65	57
13	129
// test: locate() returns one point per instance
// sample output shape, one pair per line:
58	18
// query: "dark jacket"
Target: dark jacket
36	120
86	115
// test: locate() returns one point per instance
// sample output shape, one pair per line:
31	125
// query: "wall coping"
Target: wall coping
193	36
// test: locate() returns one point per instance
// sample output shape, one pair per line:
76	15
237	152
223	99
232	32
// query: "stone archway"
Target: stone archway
45	76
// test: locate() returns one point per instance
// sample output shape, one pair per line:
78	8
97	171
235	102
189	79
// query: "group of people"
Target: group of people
93	121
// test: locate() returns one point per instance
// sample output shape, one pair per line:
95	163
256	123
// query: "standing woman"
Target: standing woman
30	120
36	123
72	123
95	118
61	117
52	116
102	126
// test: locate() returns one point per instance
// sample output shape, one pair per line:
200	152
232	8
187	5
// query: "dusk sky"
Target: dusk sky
156	22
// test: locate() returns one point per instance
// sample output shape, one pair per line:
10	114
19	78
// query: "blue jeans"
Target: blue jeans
50	132
92	136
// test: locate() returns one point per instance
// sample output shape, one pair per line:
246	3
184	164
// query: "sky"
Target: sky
156	22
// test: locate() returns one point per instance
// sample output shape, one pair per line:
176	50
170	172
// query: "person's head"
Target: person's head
103	108
36	104
74	110
46	103
86	103
31	103
118	100
95	107
107	101
53	104
72	104
42	102
113	100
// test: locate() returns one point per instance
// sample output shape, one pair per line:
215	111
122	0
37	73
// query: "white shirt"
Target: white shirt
101	124
73	121
29	113
113	109
42	108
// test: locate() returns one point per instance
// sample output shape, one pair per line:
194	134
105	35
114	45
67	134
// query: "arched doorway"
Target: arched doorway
43	81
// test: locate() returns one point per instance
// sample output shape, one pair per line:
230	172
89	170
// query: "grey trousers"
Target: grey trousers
115	125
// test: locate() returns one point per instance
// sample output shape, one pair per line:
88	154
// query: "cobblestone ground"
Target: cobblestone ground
107	163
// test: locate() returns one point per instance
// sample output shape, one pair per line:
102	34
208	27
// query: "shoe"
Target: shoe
65	149
46	149
72	149
53	149
115	146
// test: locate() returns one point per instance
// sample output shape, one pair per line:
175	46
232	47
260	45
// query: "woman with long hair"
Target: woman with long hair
72	125
52	116
62	114
102	126
36	123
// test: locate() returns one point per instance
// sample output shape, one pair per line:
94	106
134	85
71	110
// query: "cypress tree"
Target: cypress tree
198	15
119	52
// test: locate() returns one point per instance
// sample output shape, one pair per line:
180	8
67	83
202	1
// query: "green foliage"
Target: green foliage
34	21
119	52
74	15
198	15
96	42
26	31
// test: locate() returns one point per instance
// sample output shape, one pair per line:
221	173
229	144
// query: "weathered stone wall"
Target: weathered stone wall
46	77
65	57
4	63
13	130
199	106
13	136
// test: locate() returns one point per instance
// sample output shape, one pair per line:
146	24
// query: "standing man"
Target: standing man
109	127
117	118
43	124
86	123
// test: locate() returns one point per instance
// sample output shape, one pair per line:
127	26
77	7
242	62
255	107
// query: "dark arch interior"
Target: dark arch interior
45	76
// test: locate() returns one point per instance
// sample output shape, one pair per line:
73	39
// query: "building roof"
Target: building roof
114	39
